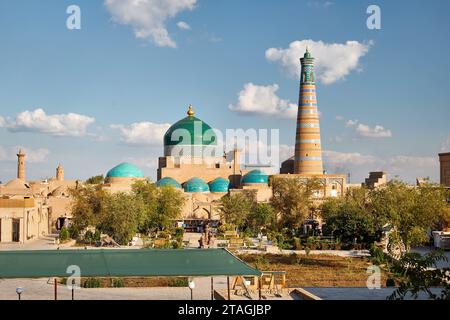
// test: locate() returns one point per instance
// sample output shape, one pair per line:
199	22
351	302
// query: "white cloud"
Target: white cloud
32	155
335	158
350	123
255	99
375	132
2	122
183	25
363	130
148	17
320	4
333	61
339	118
402	161
70	124
445	147
143	133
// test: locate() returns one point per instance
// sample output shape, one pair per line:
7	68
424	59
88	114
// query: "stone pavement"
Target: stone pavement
43	289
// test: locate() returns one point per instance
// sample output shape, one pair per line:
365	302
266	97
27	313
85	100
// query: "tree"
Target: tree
95	180
87	206
293	200
235	208
121	217
415	273
411	211
262	216
347	218
161	205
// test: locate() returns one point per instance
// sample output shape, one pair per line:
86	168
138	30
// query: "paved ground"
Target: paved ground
337	293
43	289
440	264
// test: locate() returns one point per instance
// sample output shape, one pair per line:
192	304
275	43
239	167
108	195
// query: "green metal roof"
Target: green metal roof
190	131
123	263
125	170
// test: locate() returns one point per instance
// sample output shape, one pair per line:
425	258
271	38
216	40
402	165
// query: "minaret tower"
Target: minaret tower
21	165
60	173
308	152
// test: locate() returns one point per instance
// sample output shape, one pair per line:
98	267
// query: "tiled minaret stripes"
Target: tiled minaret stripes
308	151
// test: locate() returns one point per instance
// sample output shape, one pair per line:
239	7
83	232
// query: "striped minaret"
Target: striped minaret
308	152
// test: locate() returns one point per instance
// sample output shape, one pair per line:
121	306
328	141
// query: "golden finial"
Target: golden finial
190	111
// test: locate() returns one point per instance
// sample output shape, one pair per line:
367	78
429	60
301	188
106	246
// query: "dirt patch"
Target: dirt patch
315	270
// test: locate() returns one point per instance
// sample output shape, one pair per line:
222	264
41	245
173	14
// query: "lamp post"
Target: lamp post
73	289
19	292
191	285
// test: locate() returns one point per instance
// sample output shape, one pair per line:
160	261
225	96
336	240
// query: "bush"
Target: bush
176	244
64	234
92	283
88	236
178	282
377	255
117	283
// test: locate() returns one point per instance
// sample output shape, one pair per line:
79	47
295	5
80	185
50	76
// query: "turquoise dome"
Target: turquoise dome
255	177
195	185
219	185
167	181
125	170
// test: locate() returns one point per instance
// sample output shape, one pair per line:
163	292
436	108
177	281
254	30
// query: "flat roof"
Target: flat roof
123	263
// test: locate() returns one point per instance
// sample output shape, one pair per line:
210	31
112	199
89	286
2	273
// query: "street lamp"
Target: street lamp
191	285
19	291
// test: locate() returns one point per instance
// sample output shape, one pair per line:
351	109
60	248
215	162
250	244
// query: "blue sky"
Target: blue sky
117	72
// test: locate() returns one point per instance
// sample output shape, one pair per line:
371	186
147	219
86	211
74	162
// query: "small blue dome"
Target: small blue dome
167	181
255	177
219	185
125	170
195	185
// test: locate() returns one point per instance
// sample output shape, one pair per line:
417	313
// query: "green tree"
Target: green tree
415	273
261	217
411	211
87	206
121	217
161	205
293	200
95	179
235	208
347	218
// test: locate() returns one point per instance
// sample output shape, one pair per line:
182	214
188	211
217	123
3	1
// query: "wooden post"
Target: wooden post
259	287
56	289
228	286
212	288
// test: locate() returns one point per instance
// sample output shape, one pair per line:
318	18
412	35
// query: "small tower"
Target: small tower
308	151
60	173
21	165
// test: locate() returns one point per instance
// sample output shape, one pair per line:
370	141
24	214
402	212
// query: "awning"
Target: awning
123	263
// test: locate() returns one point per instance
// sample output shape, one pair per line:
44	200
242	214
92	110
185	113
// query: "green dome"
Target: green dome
200	133
219	185
125	170
195	185
167	181
255	177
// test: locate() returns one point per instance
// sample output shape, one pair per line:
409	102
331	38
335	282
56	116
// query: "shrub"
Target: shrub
178	282
377	255
88	236
117	283
64	234
176	244
92	283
